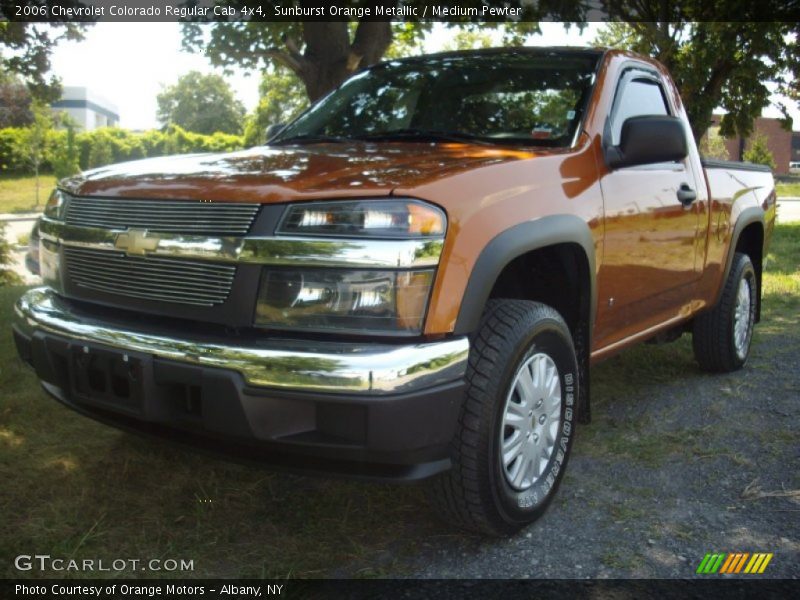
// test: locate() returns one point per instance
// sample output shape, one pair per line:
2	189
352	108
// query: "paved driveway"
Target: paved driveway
788	209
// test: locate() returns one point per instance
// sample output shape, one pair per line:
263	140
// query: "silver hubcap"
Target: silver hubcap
742	321
531	420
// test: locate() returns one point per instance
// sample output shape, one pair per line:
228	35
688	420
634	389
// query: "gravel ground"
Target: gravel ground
675	464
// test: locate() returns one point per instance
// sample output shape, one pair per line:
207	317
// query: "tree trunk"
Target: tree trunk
36	174
329	56
700	109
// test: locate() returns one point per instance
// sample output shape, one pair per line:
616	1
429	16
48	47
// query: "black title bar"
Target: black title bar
474	11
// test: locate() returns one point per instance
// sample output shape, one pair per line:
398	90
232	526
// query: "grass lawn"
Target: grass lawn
788	189
781	282
18	194
73	488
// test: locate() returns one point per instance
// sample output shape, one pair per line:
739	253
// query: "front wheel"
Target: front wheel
517	423
721	337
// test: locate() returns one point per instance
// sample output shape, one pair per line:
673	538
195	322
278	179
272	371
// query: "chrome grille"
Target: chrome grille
172	216
163	279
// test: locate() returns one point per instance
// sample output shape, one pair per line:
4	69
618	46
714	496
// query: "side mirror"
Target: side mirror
274	130
648	139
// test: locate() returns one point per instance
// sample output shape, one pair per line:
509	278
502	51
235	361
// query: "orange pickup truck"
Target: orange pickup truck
410	280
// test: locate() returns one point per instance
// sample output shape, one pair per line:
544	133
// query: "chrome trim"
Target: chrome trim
164	279
283	250
313	252
176	216
362	368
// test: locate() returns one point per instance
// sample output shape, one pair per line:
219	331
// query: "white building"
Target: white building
88	109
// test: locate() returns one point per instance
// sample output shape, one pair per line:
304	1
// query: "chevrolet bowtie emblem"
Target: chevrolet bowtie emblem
136	242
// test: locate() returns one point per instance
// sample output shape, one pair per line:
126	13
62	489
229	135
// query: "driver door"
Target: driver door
649	247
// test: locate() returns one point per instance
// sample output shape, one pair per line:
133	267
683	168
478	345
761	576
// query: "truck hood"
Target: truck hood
280	174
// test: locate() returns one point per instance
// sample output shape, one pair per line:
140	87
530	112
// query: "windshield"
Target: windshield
522	97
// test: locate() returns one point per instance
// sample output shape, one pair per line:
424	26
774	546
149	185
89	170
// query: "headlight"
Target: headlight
355	300
364	218
382	302
56	205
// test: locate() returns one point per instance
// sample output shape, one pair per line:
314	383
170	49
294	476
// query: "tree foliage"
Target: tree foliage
282	97
467	39
201	103
15	103
726	62
26	47
321	54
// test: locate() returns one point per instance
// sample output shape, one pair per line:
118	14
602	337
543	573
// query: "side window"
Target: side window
639	97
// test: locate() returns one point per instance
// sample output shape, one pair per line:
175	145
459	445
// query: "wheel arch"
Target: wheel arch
747	237
515	242
558	253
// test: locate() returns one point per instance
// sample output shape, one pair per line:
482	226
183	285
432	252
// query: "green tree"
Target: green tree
322	54
15	103
758	152
407	40
34	140
26	47
201	103
282	97
717	57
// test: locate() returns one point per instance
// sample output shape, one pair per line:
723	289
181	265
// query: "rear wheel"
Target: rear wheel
517	423
722	336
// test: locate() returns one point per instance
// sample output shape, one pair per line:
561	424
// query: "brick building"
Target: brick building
779	141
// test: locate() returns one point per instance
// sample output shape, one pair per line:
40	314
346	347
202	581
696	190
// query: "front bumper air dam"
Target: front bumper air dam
367	410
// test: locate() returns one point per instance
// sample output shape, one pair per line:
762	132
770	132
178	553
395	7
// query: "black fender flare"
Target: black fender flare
750	215
513	243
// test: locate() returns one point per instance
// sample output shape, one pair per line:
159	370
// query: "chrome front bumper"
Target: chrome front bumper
295	365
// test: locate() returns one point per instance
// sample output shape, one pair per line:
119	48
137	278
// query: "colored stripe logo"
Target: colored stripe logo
734	562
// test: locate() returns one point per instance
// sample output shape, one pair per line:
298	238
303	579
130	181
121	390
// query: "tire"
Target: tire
483	492
721	337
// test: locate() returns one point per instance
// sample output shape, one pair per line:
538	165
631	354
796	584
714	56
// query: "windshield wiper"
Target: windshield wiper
310	138
424	135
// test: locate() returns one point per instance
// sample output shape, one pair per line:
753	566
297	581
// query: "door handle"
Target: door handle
686	194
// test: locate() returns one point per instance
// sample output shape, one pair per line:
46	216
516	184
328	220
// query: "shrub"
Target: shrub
759	153
104	146
101	151
712	145
66	159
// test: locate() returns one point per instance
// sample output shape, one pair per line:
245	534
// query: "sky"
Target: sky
130	63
